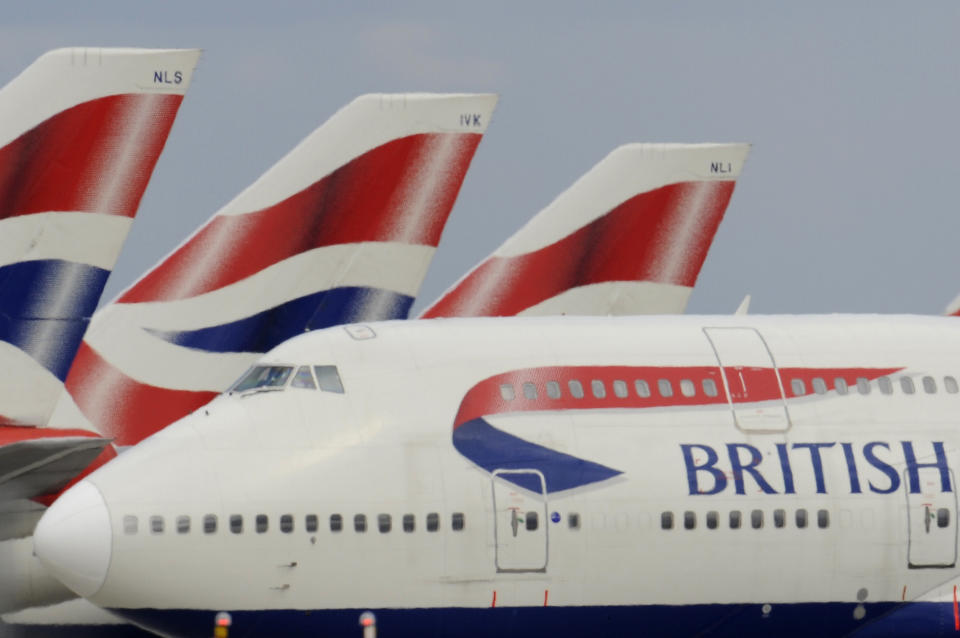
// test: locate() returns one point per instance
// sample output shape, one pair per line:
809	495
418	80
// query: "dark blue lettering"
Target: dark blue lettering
882	466
851	468
719	479
816	461
738	468
177	77
158	76
913	468
786	469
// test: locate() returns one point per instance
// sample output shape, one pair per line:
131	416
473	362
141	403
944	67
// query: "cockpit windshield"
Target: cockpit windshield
263	377
327	378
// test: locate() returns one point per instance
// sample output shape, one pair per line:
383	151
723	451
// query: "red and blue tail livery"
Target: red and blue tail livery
80	133
340	230
629	237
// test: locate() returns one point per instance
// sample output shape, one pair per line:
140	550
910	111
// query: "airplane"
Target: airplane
546	476
628	237
81	130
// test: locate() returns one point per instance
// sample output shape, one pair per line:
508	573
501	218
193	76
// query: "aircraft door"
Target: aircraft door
931	521
751	379
520	529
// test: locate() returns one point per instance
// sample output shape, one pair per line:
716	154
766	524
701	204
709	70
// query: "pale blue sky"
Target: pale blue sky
847	202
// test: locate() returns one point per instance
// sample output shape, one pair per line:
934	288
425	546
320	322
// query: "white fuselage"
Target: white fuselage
844	489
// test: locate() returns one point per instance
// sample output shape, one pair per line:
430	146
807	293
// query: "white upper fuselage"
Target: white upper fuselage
633	494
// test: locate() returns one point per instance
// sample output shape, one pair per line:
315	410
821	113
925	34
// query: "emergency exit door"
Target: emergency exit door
521	521
750	378
931	520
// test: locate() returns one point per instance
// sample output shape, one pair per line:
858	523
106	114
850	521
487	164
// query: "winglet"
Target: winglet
744	306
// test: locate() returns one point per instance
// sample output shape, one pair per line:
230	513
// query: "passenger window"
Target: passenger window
885	385
666	389
183	525
929	385
529	390
303	379
360	523
863	385
156	525
576	389
433	522
779	518
261	523
311	523
801	518
620	389
823	518
666	520
457	521
210	524
798	388
906	384
841	385
642	388
573	521
950	385
286	523
943	517
384	523
756	519
713	519
263	377
709	387
329	379
130	525
236	523
336	523
553	389
409	523
598	389
819	385
735	519
532	521
687	388
506	391
689	520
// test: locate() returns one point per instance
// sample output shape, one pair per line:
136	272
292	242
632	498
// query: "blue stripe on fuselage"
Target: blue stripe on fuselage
45	307
264	330
493	449
800	620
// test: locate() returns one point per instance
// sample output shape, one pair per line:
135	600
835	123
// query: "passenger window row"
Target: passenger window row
864	386
311	523
735	519
599	389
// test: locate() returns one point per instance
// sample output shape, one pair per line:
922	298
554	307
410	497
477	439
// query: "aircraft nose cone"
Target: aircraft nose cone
73	539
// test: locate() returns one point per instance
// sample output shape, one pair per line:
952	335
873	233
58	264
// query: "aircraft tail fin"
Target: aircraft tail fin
80	133
629	237
342	229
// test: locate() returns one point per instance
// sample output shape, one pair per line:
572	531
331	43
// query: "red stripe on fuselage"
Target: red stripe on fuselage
486	399
633	242
374	197
133	410
94	157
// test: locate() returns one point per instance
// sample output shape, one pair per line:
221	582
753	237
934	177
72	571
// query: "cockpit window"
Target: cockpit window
263	377
303	379
329	379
